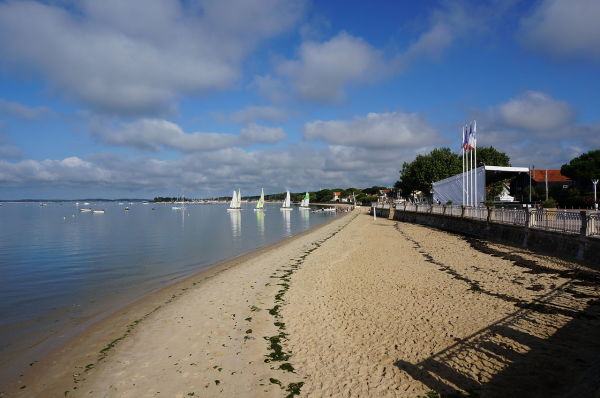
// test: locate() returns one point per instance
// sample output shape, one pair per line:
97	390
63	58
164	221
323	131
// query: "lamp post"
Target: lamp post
595	182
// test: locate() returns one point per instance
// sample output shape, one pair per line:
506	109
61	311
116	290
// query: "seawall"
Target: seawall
584	250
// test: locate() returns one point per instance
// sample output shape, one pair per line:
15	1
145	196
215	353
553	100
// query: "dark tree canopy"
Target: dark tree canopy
489	156
584	167
419	174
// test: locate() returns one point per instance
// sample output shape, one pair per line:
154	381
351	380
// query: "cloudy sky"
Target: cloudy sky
141	98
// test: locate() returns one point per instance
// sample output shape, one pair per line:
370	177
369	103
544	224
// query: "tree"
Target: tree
324	195
374	190
489	156
419	174
584	167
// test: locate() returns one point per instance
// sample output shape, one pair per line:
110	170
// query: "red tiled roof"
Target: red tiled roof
553	176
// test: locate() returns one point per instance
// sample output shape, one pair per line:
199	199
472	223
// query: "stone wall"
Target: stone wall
584	250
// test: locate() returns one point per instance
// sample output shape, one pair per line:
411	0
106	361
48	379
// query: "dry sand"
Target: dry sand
357	307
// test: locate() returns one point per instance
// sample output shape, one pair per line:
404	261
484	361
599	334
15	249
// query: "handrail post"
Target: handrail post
462	210
584	221
489	214
443	210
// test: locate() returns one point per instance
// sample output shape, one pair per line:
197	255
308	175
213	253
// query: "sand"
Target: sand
355	308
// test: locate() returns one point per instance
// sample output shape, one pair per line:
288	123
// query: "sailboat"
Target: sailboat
236	201
287	203
260	205
305	201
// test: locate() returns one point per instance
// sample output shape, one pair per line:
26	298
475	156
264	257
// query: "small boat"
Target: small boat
85	210
98	211
329	209
86	204
120	203
287	203
43	204
305	202
126	208
260	205
236	201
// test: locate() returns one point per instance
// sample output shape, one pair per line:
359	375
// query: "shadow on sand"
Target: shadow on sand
547	348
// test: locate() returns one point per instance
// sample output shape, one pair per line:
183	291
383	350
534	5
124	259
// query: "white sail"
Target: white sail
261	202
305	201
233	203
287	203
236	202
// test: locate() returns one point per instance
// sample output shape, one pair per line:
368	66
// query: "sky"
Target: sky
145	98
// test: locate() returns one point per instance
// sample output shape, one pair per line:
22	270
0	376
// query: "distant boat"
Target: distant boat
260	205
305	201
127	208
86	203
120	203
236	201
43	204
85	210
98	211
287	203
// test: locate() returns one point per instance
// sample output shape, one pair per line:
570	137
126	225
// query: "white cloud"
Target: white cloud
261	134
534	128
22	111
298	167
376	130
564	28
534	111
154	134
322	70
259	113
138	56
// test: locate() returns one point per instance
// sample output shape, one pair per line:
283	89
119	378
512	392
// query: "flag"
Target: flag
474	134
470	139
465	143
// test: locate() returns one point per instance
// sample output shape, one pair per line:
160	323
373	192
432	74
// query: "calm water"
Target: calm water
61	269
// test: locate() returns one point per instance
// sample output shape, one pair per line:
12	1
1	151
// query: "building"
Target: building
336	196
554	177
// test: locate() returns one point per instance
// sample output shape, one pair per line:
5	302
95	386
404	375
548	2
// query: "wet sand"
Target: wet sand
357	307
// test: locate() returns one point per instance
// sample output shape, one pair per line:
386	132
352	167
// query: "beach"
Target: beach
355	307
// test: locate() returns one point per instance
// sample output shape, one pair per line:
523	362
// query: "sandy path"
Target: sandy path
394	309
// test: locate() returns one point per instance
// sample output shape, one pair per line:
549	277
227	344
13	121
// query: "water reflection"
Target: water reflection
235	218
287	223
305	215
260	222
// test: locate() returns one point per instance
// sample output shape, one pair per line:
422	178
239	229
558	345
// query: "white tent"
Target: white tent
451	188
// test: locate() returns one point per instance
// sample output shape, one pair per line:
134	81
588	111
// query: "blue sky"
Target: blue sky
143	98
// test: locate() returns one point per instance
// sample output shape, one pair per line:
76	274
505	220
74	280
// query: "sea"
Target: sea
61	269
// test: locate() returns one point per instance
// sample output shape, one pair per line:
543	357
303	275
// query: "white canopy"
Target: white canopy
451	188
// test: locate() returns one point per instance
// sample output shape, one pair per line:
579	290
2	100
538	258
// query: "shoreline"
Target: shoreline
355	307
60	362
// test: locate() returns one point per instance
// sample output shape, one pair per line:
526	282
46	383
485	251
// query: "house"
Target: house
383	195
336	196
554	177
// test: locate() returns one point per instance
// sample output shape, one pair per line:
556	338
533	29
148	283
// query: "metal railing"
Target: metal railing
593	225
478	213
509	216
564	221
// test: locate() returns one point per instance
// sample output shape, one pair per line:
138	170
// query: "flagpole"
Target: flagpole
468	198
471	175
475	149
462	149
